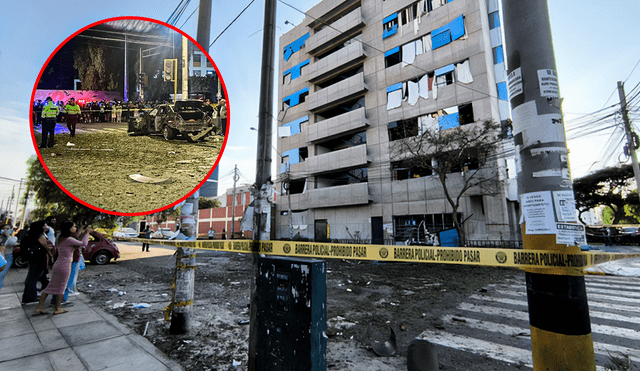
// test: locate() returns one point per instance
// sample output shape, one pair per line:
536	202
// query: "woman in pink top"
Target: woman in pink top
62	267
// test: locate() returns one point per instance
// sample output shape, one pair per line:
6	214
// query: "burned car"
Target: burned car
183	118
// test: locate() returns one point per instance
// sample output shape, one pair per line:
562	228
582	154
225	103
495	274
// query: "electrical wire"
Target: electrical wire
229	25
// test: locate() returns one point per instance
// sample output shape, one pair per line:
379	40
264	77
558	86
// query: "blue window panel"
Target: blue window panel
494	20
294	158
296	70
392	51
449	121
394	87
445	69
449	238
295	46
390	18
499	55
441	39
502	91
392	125
295	125
447	33
386	33
294	99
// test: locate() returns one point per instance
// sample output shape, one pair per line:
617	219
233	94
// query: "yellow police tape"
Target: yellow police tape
494	257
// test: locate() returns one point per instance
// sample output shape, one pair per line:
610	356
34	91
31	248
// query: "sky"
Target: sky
595	46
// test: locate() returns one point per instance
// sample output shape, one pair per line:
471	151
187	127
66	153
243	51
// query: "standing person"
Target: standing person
7	241
212	233
223	116
62	268
119	112
49	113
73	277
36	242
146	234
72	115
37	111
51	231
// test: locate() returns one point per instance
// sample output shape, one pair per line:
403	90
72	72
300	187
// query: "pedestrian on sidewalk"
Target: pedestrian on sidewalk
34	246
62	267
146	234
7	241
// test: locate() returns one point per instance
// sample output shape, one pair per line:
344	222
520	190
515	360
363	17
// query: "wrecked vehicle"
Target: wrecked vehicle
183	118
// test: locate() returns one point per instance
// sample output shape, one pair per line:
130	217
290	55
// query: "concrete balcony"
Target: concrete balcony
342	159
327	11
338	32
349	122
336	62
337	93
351	194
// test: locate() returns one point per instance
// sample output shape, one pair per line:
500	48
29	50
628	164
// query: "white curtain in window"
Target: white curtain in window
284	131
427	122
426	43
414	92
416	27
408	53
419	49
463	72
394	99
423	86
434	89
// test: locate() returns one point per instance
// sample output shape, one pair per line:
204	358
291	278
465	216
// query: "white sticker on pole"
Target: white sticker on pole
565	204
570	234
537	210
514	82
548	81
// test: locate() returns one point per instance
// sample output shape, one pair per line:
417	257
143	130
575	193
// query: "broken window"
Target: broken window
390	25
295	99
293	72
295	46
448	33
341	76
494	20
395	95
498	55
297	186
402	171
444	76
292	127
392	57
293	156
403	129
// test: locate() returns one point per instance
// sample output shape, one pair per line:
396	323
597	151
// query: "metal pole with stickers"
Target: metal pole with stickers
558	311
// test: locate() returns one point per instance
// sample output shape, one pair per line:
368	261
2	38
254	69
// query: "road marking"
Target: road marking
612	289
592	304
591	297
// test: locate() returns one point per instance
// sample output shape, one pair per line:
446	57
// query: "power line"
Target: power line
634	68
188	18
229	25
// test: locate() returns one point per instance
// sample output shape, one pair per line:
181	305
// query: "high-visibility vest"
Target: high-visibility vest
72	110
50	110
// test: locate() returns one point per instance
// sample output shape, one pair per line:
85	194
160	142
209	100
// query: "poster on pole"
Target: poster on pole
570	234
548	82
514	82
565	204
537	211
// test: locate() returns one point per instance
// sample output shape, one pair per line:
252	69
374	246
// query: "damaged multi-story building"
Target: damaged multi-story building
357	75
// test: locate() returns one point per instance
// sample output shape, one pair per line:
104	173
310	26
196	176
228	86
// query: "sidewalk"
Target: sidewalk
86	338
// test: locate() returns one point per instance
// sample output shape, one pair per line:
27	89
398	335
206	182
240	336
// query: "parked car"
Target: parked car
184	118
99	250
162	233
125	233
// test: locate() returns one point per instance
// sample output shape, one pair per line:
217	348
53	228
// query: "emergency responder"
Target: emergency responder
73	113
49	113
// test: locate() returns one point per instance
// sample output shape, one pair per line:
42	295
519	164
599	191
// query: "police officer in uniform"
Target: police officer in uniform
49	113
73	112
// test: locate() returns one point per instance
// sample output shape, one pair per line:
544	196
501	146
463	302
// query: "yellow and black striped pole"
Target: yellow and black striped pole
558	310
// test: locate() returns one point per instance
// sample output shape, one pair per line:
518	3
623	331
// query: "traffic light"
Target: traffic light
168	70
142	79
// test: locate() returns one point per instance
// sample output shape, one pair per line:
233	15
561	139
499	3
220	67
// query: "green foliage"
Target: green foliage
608	187
51	200
206	203
90	63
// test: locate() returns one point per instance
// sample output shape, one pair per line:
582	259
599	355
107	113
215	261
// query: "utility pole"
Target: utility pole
24	209
126	84
13	188
631	144
204	24
288	189
186	257
558	310
185	69
261	220
15	215
233	204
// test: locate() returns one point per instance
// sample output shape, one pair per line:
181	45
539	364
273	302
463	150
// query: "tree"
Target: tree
467	148
207	203
608	187
90	63
51	200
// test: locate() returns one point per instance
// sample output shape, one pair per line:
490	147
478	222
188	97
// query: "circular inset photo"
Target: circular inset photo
129	116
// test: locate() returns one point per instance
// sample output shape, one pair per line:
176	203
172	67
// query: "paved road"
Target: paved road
496	323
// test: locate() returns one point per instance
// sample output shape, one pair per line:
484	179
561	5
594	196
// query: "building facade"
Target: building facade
358	75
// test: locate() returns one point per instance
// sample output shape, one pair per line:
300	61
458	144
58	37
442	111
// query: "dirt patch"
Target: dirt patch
410	298
97	166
